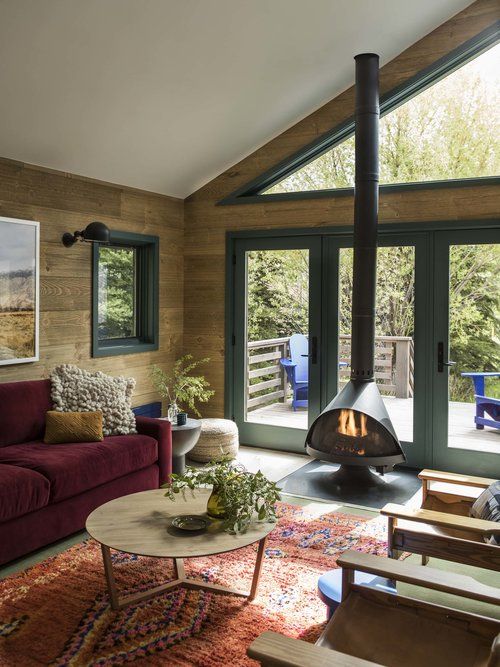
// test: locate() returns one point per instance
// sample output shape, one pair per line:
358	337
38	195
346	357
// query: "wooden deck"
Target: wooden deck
462	432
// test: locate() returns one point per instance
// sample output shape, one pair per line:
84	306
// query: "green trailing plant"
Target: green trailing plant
180	386
242	497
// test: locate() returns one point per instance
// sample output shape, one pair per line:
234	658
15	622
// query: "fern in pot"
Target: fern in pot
180	388
238	497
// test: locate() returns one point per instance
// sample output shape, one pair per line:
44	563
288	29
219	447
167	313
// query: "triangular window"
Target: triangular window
450	130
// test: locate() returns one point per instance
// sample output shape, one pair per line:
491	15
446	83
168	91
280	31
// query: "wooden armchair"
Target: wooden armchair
442	528
372	627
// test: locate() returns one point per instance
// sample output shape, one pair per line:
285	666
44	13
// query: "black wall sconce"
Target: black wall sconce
95	232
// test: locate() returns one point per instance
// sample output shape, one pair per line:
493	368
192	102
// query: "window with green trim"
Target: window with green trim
125	295
451	130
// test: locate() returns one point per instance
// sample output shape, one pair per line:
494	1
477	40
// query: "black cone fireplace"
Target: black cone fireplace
355	429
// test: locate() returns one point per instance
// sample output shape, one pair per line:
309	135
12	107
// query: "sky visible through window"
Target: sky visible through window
449	131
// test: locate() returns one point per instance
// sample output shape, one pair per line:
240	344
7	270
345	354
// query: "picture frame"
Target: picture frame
19	291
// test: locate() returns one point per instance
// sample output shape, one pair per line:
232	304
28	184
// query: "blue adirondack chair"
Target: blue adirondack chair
297	370
484	403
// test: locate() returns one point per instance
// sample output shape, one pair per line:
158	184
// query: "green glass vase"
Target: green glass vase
215	508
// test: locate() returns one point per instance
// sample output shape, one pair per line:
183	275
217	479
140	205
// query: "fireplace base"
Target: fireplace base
355	477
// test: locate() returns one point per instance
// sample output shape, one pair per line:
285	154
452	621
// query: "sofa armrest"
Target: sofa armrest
161	431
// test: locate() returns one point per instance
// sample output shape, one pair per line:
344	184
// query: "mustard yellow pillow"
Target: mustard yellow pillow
72	427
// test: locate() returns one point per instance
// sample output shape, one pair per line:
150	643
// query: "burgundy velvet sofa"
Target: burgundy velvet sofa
47	491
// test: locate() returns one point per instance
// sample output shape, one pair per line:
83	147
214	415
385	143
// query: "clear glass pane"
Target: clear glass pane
474	340
450	130
394	330
117	293
276	391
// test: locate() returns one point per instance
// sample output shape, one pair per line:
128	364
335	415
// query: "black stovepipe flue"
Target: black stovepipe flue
361	394
365	218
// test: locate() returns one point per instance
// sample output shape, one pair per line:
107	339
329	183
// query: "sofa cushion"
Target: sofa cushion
64	427
21	491
72	468
487	507
23	406
77	390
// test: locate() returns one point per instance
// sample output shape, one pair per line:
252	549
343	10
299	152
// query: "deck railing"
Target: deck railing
266	378
393	364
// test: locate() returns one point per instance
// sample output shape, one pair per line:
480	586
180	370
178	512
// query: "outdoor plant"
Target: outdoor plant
181	388
240	496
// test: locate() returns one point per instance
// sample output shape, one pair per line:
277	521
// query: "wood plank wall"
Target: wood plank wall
62	202
207	224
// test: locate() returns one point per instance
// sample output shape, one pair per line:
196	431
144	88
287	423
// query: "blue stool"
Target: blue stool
330	586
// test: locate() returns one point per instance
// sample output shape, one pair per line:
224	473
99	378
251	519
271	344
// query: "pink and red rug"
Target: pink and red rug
57	613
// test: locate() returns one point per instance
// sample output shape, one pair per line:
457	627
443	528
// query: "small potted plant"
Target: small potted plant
180	388
238	496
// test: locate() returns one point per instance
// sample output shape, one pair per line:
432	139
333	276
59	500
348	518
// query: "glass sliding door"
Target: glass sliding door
396	335
277	315
437	356
467	352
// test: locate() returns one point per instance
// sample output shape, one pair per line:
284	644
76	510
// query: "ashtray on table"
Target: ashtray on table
190	522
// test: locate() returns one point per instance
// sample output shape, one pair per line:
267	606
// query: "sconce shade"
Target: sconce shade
95	232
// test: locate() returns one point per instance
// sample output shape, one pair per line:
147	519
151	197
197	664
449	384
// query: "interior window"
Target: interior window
125	294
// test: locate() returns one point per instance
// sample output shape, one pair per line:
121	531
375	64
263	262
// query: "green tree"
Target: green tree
474	316
117	286
451	130
278	293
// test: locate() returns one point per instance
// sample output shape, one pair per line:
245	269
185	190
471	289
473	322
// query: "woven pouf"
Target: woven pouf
218	438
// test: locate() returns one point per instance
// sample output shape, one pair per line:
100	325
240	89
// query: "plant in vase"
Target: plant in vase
180	388
238	496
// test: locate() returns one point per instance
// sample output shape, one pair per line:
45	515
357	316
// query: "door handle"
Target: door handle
441	362
314	350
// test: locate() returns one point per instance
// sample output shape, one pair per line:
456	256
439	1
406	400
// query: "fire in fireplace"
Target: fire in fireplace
355	429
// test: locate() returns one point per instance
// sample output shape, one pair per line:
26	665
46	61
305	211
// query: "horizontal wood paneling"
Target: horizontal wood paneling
61	203
207	224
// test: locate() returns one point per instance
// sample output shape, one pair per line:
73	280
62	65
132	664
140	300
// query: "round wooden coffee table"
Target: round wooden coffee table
141	524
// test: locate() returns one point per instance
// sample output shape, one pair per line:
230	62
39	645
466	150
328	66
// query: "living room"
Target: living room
250	333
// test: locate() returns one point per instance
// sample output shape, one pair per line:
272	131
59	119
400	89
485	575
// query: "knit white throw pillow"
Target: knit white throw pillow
77	390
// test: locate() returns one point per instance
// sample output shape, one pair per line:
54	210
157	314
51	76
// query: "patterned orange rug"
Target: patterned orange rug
57	613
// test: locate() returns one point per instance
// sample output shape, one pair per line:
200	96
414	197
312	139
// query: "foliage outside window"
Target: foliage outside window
474	316
125	295
449	131
278	293
117	296
278	302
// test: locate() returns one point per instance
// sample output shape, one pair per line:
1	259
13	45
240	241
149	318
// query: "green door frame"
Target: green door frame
287	439
428	414
417	451
482	462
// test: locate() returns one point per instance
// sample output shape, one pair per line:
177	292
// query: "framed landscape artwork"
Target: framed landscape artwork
19	291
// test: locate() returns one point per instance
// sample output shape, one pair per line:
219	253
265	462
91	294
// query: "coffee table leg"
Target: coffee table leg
180	572
110	577
258	568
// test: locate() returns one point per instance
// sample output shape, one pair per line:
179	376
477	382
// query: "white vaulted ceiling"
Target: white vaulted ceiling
166	94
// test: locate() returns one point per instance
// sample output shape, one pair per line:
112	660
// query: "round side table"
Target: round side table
184	438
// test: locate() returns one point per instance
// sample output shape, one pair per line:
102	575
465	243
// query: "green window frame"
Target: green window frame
253	192
146	305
